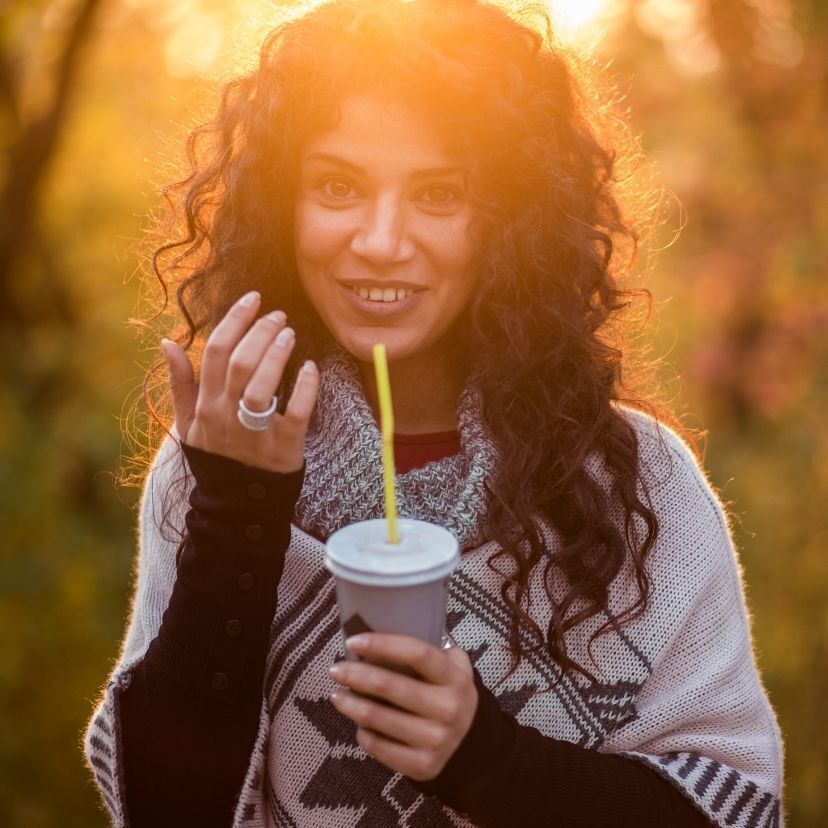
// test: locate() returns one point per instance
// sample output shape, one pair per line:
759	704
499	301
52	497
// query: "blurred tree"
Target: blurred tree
31	139
743	308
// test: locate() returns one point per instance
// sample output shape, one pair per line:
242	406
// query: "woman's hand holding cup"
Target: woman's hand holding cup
411	725
244	359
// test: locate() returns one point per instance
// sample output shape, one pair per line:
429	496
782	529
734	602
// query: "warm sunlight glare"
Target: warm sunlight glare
574	15
205	39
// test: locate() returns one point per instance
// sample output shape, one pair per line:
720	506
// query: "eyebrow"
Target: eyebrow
433	172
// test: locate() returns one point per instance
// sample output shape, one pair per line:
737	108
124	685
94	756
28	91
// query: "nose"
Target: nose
382	236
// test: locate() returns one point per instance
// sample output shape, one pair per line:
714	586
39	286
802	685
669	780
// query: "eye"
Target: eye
440	197
336	188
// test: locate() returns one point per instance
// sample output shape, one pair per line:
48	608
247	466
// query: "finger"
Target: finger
223	340
409	694
406	651
302	400
389	721
183	388
398	756
265	379
460	658
246	356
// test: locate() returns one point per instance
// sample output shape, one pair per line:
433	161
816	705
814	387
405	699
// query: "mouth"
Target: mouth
373	300
386	294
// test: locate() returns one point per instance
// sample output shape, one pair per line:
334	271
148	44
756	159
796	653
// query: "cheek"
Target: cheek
453	256
451	242
317	237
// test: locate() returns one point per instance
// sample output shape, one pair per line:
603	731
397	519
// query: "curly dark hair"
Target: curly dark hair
542	338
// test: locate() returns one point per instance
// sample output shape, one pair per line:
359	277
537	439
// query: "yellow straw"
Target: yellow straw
387	427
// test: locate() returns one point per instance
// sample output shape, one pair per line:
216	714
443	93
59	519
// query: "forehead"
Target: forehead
376	132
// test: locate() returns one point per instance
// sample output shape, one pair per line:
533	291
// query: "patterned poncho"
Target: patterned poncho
677	688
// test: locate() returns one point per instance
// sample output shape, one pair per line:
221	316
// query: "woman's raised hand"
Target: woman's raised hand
243	359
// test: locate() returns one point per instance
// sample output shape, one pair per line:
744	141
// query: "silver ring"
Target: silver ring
447	642
256	420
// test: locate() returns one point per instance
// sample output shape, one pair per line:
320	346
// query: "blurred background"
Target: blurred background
730	98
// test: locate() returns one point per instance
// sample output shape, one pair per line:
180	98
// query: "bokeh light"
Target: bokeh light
573	15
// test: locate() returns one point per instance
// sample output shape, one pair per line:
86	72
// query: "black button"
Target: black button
233	628
254	532
256	491
246	582
220	681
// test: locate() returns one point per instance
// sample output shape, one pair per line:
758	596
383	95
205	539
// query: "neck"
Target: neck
425	397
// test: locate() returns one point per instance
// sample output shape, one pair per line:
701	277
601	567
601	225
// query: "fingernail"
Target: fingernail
249	299
277	316
335	695
356	642
284	336
335	670
165	346
308	367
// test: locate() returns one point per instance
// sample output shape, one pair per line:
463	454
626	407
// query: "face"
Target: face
382	232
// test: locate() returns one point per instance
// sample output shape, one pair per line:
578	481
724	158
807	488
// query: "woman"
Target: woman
425	174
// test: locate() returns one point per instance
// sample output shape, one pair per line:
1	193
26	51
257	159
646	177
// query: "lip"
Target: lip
381	284
369	307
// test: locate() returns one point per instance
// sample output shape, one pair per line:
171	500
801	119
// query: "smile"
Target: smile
388	294
372	301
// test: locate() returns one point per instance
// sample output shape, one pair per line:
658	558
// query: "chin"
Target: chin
361	347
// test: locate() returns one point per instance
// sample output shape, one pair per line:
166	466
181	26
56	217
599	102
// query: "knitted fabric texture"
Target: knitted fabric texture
677	688
343	458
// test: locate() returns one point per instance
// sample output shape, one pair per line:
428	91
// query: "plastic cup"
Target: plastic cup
392	588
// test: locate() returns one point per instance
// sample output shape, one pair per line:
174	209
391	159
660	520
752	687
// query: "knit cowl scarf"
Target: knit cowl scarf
344	470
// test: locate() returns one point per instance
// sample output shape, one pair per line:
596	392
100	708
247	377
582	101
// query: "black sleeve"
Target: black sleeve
507	774
190	712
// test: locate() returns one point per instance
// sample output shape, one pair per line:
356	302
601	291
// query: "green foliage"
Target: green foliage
741	313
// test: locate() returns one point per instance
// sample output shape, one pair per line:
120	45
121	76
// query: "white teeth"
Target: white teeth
382	294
